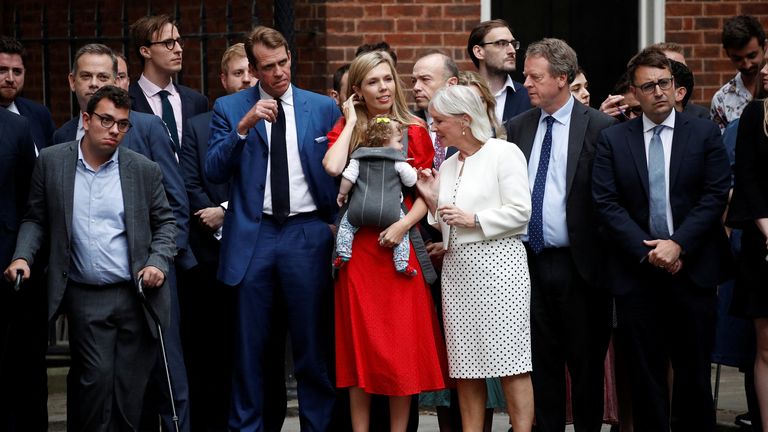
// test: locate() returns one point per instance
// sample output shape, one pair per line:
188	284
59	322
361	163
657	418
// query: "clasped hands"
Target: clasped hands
428	185
665	255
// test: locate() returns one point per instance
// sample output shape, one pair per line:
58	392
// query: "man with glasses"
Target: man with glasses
660	186
109	225
95	66
493	50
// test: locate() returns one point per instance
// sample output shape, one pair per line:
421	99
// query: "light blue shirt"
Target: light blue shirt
99	240
553	208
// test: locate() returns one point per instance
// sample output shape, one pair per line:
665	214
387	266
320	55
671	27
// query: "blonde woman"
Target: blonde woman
388	340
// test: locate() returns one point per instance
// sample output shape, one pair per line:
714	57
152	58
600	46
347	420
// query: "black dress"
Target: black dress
750	202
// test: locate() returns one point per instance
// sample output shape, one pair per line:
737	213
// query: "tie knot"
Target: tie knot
657	130
164	94
549	120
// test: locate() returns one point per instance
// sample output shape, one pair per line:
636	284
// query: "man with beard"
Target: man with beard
493	50
744	43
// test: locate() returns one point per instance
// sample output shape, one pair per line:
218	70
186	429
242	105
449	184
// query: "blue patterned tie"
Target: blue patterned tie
536	224
657	186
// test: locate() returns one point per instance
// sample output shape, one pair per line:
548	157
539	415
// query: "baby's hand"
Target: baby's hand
341	199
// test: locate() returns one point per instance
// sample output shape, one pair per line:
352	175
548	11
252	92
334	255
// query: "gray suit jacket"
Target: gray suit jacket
586	125
149	222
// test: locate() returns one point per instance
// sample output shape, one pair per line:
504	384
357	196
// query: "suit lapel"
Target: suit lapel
301	116
637	149
128	188
140	102
67	183
577	129
528	132
680	138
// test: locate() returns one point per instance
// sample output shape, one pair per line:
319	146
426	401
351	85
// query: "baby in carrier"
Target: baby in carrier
377	170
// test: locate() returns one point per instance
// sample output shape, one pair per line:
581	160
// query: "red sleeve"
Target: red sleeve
420	147
333	135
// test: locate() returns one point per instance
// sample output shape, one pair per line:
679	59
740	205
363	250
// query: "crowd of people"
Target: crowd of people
503	245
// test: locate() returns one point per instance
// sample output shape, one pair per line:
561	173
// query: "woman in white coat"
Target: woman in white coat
481	202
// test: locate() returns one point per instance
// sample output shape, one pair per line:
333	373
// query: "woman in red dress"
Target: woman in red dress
388	340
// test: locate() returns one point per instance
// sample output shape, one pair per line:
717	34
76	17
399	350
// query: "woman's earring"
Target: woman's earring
463	132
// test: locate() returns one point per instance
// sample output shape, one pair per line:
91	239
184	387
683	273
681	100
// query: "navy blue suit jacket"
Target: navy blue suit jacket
244	163
39	119
17	159
192	102
517	102
149	137
699	176
202	193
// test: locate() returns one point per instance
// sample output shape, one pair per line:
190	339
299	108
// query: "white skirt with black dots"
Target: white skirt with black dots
486	308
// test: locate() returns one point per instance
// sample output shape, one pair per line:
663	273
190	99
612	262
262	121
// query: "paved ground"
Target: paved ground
731	401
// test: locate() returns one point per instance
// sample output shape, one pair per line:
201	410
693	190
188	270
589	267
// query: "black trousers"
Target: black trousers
669	321
570	326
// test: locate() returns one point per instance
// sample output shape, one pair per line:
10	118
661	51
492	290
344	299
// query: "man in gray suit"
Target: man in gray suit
570	313
108	222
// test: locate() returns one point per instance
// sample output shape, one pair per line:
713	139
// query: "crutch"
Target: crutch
156	319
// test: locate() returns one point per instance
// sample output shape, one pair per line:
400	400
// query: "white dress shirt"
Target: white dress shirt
301	198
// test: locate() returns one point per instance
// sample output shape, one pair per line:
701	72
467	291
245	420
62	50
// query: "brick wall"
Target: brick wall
698	25
410	27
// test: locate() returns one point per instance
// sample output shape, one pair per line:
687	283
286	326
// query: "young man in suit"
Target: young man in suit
268	142
12	73
157	42
23	379
208	344
660	186
95	66
570	311
108	223
493	50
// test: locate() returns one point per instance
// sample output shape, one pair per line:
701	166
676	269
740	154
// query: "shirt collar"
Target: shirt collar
13	108
563	115
507	84
286	98
668	122
151	89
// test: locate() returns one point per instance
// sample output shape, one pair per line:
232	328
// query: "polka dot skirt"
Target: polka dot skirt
486	307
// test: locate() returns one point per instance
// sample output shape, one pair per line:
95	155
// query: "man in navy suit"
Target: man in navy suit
12	72
493	50
570	311
660	185
95	66
268	142
23	387
157	42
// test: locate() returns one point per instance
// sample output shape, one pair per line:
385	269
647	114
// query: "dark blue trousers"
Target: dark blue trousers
291	262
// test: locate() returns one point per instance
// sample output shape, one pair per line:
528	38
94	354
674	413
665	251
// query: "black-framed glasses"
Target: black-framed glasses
107	122
503	43
170	44
650	87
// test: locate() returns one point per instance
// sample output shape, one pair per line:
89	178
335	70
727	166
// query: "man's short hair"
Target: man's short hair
338	75
262	35
561	57
235	51
683	78
95	49
145	28
478	33
669	46
739	30
118	96
9	45
649	57
379	46
450	68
